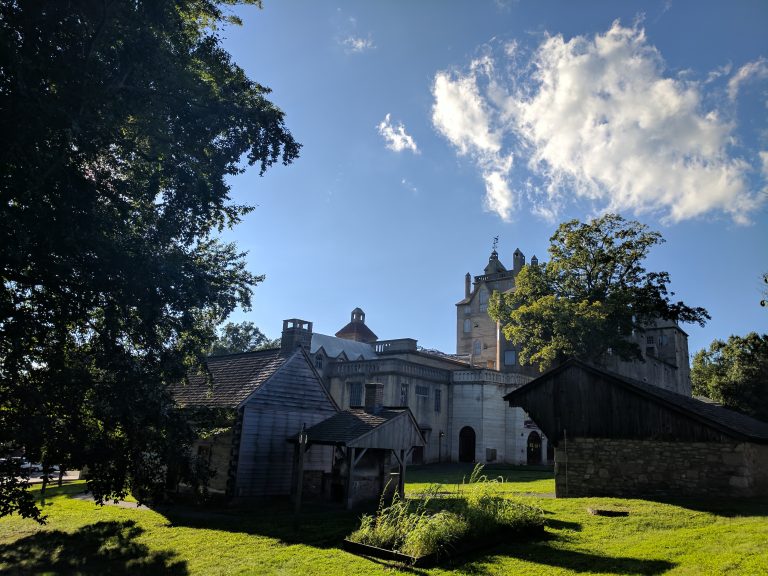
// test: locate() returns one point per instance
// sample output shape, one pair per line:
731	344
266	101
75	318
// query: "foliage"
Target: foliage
591	297
735	374
724	537
436	525
243	337
127	119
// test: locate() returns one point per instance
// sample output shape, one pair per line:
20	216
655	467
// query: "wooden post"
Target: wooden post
401	479
350	467
301	447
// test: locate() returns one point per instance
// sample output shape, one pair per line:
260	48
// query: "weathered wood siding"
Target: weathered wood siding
294	396
588	405
398	434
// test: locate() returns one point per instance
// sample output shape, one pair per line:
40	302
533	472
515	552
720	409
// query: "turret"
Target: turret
518	260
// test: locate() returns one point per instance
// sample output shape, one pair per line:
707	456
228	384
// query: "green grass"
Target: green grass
680	538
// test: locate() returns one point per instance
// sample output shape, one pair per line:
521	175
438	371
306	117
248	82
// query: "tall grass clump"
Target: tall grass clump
434	525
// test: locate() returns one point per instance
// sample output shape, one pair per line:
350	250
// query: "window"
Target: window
483	299
437	400
403	394
319	361
510	357
467	325
477	348
355	394
467	310
649	340
422	391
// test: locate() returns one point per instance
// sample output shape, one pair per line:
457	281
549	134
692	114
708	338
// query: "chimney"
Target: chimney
296	333
374	397
467	285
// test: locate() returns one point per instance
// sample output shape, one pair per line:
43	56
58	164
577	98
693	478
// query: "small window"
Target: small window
467	310
355	394
422	391
319	361
477	348
649	340
437	400
510	357
467	325
403	394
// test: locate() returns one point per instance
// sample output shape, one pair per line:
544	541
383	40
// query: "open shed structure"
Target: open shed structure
619	437
369	444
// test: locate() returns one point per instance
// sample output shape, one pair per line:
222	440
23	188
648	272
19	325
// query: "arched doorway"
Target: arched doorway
466	444
534	448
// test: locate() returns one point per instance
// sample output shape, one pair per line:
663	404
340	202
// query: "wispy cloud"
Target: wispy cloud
599	119
756	69
467	119
395	136
357	44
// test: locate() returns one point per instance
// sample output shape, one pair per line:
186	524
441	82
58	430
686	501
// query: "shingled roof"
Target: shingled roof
349	426
234	378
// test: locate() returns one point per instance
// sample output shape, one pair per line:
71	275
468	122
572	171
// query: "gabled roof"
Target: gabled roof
354	427
334	347
234	377
719	418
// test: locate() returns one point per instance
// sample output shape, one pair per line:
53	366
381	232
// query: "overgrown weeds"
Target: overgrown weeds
438	521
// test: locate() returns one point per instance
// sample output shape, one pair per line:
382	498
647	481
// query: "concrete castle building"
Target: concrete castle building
457	399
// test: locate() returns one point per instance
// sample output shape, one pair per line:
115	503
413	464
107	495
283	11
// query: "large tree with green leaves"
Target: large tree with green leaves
237	337
735	374
122	122
591	296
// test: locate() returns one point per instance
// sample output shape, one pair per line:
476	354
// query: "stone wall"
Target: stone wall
632	468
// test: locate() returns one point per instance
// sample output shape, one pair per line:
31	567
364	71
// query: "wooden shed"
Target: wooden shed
273	393
371	446
615	436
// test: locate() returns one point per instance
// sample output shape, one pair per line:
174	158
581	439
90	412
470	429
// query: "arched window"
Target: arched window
483	298
477	348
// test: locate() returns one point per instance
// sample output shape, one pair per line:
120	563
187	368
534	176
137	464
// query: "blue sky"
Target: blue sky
428	128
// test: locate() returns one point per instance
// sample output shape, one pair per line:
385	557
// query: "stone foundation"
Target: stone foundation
633	468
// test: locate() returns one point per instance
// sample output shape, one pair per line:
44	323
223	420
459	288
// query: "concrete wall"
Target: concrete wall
634	468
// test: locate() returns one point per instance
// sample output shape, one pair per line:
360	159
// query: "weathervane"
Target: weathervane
495	243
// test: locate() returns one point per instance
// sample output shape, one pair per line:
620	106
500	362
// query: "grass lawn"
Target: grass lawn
722	537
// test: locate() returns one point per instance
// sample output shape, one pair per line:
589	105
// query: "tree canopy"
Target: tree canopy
241	337
591	296
735	374
123	122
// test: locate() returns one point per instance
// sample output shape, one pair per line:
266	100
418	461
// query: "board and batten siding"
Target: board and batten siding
291	398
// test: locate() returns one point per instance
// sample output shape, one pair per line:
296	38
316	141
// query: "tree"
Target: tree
735	374
242	337
591	296
124	120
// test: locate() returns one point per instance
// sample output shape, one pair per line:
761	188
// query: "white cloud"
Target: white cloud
357	44
465	117
396	137
756	69
597	119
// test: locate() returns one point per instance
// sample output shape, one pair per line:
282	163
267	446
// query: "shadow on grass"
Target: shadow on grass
726	507
454	472
320	525
542	552
96	549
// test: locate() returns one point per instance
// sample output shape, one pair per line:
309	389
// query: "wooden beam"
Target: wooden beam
350	458
359	456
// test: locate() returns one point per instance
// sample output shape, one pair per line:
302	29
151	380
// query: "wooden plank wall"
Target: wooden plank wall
591	406
291	398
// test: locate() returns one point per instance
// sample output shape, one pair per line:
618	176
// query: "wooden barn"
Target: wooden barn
619	437
371	446
272	393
